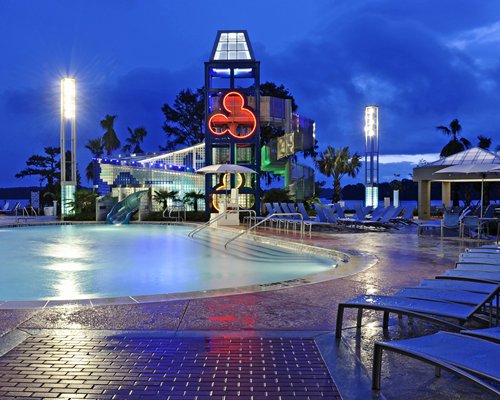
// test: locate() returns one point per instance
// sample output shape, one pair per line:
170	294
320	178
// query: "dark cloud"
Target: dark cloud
416	78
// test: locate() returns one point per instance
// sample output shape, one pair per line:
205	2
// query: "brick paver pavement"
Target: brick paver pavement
118	367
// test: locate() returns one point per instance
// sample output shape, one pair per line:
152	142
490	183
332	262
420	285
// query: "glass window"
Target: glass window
245	153
221	154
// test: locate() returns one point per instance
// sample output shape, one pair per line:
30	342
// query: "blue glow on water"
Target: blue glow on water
85	261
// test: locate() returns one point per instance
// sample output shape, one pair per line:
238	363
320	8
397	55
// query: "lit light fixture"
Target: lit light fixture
371	156
371	121
68	98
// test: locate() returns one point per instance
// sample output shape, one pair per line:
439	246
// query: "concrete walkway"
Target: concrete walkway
303	312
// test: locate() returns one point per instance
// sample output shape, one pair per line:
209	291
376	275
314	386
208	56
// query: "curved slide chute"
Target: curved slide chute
123	210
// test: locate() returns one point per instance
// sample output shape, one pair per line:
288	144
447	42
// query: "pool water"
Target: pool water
86	261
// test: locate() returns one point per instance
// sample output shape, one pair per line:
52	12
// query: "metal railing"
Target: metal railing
29	212
269	218
173	209
208	223
252	213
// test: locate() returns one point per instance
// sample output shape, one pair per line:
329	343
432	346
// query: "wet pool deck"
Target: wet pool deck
72	351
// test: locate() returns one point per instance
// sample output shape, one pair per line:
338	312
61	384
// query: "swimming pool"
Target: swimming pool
88	261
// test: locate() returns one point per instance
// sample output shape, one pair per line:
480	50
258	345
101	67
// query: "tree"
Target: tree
47	167
96	148
192	198
163	196
336	163
456	144
134	140
109	138
184	120
84	202
271	89
484	142
276	195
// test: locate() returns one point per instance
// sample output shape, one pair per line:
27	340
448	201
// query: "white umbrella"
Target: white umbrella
478	168
225	169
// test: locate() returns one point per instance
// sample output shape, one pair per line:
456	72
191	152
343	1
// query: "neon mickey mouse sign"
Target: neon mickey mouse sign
239	121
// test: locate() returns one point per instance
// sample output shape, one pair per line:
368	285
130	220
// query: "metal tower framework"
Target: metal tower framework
232	70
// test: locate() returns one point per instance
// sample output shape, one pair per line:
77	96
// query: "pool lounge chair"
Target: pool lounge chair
427	309
450	222
488	257
407	217
483	250
469	357
471	275
312	222
491	334
454	284
475	266
455	296
13	210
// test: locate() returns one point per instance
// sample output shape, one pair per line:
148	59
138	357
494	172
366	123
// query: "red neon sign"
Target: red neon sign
239	122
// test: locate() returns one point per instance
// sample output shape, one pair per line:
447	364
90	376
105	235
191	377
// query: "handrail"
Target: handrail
267	219
164	211
498	231
208	223
172	209
251	212
26	211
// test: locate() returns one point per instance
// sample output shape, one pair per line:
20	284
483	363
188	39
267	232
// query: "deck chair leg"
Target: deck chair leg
377	367
385	321
359	318
340	318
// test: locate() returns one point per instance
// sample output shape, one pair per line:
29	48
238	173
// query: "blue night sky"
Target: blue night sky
424	62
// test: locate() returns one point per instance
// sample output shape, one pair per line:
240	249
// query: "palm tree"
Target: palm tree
163	197
96	148
136	137
484	142
456	144
192	198
336	163
109	138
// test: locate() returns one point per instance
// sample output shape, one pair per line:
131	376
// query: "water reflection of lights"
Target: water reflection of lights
67	287
66	250
68	266
68	260
371	290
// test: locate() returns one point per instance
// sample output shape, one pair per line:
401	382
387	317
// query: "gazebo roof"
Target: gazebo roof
475	155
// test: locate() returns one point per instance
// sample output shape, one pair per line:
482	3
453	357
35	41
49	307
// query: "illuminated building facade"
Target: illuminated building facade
371	156
234	114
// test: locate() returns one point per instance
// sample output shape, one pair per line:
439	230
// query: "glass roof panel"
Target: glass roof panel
476	155
232	46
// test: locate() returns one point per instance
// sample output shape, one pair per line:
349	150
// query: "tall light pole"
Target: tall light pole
371	156
68	117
